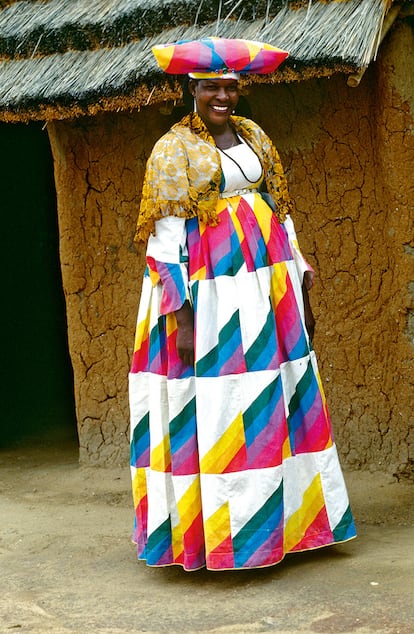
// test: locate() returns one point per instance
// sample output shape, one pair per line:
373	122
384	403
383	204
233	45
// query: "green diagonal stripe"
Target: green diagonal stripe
182	418
212	357
141	428
258	519
342	527
256	349
301	389
253	411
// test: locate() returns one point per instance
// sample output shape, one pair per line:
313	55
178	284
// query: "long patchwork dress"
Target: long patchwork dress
233	461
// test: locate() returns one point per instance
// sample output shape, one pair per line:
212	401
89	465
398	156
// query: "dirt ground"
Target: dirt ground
68	566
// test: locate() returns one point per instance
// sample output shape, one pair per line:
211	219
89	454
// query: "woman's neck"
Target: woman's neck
224	138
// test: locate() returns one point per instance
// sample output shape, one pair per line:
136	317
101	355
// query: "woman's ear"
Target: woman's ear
192	86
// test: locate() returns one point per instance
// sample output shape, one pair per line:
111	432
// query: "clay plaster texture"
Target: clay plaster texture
99	168
348	154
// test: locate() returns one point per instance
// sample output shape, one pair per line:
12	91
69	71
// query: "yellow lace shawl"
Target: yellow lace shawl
183	174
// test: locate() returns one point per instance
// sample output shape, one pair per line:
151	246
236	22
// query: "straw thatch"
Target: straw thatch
62	58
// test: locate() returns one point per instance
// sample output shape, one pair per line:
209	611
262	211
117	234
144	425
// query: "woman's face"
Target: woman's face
215	100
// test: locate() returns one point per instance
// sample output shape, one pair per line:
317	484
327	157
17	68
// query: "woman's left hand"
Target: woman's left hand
309	318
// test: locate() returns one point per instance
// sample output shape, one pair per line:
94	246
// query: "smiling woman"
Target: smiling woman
232	456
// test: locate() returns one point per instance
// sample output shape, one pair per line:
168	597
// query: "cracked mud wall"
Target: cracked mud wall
348	154
99	166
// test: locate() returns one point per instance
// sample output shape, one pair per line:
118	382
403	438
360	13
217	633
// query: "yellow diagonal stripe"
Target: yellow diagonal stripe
217	527
142	331
200	274
177	541
298	523
189	505
324	405
286	448
170	323
238	228
154	277
227	446
161	456
278	283
139	486
221	205
261	211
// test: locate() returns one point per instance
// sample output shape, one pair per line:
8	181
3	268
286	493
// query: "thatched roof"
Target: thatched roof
64	58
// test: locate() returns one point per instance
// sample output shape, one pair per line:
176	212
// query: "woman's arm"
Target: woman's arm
309	318
305	272
167	258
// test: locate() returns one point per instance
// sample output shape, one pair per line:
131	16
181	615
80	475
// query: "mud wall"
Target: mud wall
99	167
348	154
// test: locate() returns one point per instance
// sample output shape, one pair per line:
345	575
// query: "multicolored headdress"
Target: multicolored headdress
215	57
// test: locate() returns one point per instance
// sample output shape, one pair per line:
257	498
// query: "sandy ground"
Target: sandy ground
68	566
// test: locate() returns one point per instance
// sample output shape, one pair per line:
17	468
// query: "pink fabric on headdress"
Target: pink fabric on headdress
218	55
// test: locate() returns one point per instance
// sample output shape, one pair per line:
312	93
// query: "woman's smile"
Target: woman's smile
226	110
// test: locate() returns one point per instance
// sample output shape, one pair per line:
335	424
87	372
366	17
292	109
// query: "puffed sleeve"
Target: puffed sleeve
167	259
165	190
301	264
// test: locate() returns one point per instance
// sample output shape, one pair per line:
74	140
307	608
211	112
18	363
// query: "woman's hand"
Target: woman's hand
308	279
185	333
309	318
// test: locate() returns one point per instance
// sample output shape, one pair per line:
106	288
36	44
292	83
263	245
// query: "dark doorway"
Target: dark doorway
37	403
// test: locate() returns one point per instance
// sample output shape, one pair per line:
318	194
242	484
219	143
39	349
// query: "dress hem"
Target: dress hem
269	565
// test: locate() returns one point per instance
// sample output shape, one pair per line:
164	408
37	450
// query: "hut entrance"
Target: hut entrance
37	403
